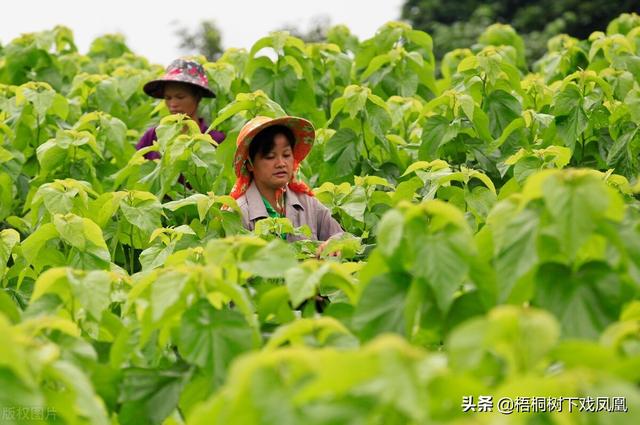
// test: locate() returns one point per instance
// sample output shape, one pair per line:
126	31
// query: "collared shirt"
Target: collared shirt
271	212
301	209
150	136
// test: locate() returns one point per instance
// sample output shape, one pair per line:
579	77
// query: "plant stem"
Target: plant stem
364	139
131	252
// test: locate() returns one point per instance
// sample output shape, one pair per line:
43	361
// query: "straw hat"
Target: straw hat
303	133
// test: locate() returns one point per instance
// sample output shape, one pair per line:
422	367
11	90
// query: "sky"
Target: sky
150	26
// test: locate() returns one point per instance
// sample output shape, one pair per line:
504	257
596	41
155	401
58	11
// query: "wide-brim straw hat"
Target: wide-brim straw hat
180	71
303	133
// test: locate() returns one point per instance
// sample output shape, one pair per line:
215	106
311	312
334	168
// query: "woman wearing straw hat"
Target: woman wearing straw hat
268	154
182	87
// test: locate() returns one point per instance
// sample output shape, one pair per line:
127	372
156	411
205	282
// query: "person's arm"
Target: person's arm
328	227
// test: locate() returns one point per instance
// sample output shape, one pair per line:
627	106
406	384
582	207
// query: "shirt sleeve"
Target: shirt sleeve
147	139
218	136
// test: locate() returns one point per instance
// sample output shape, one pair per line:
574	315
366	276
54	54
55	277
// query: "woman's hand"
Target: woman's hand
322	247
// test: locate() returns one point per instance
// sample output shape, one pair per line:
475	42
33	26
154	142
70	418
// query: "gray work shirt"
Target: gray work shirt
301	209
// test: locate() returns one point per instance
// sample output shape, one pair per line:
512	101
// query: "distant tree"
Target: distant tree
317	31
206	40
536	20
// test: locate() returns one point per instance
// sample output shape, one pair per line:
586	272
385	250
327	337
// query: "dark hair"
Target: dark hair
264	140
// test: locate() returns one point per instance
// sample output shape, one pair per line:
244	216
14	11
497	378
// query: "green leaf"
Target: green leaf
355	99
6	195
576	202
381	306
212	338
378	119
585	302
390	232
148	396
571	119
33	245
83	400
355	203
441	261
8	307
341	154
346	244
156	255
9	238
300	331
302	284
271	260
437	132
521	337
83	234
275	303
92	290
502	109
513	126
515	254
40	95
375	64
166	291
143	210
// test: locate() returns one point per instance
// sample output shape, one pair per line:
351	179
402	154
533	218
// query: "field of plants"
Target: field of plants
493	246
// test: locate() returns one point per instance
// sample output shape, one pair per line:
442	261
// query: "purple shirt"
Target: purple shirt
149	137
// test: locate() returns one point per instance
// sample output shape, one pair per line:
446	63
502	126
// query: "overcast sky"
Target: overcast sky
150	26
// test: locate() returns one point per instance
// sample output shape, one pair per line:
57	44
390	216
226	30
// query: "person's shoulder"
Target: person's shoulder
151	131
313	201
242	202
216	135
147	138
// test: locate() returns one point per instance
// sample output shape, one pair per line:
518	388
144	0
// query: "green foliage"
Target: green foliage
490	248
458	25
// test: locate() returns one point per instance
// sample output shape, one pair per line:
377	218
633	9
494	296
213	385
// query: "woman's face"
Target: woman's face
275	169
180	99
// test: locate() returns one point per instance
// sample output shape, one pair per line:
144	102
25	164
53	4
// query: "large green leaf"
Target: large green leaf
341	153
166	292
390	232
302	284
515	253
521	337
83	234
33	247
501	108
571	119
148	396
438	131
381	307
576	203
92	290
9	238
272	260
585	301
442	261
6	195
211	338
143	210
